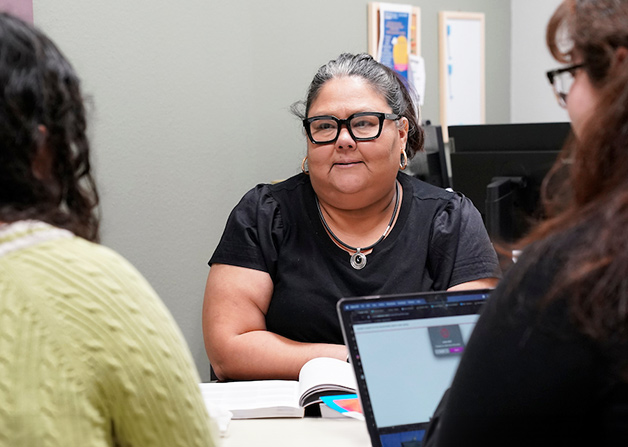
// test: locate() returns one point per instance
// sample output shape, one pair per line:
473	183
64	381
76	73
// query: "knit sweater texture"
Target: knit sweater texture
89	355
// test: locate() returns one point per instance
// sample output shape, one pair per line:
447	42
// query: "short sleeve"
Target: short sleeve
460	249
253	233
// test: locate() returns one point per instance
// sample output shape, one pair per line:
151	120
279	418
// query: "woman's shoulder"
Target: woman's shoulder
423	190
277	190
80	286
286	188
527	282
38	249
273	199
97	258
447	203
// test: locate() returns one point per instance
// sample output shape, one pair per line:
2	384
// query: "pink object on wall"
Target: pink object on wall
19	8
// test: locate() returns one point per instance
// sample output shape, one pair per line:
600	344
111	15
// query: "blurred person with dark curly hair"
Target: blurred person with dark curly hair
89	355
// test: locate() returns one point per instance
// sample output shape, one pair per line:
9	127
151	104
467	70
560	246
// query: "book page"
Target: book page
258	398
327	376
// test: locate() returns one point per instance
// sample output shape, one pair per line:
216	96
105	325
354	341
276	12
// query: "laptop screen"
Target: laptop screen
405	350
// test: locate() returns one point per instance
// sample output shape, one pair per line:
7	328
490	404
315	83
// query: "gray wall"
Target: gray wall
190	110
531	97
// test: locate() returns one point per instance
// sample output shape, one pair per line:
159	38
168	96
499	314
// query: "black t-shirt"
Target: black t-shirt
438	241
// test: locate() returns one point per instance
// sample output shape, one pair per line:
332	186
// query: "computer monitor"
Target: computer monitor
500	167
431	165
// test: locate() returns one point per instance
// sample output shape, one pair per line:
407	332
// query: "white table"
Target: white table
293	432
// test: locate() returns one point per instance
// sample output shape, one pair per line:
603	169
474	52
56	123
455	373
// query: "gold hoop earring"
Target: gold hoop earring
403	163
305	171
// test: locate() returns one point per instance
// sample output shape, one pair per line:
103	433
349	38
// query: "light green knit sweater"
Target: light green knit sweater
89	355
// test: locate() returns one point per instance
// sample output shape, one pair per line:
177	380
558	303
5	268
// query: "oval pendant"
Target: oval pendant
358	260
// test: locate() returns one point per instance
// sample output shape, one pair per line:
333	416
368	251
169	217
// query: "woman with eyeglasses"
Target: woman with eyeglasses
350	224
547	363
89	355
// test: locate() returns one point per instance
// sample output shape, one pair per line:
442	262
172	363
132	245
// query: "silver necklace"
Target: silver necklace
358	259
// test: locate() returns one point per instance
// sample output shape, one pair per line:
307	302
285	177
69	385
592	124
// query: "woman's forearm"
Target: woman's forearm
261	354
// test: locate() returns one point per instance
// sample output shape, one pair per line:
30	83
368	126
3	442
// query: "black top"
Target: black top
438	241
530	377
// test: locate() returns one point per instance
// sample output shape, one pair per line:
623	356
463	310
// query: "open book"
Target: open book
282	398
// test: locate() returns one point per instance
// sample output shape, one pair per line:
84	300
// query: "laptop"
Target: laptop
405	350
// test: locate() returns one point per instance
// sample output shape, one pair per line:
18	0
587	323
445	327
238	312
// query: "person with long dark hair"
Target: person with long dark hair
547	363
89	355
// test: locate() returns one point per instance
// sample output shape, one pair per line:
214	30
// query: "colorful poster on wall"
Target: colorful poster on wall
19	8
394	38
377	23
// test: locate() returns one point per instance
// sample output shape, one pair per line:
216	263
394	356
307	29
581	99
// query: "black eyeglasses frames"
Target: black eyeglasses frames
561	80
363	126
